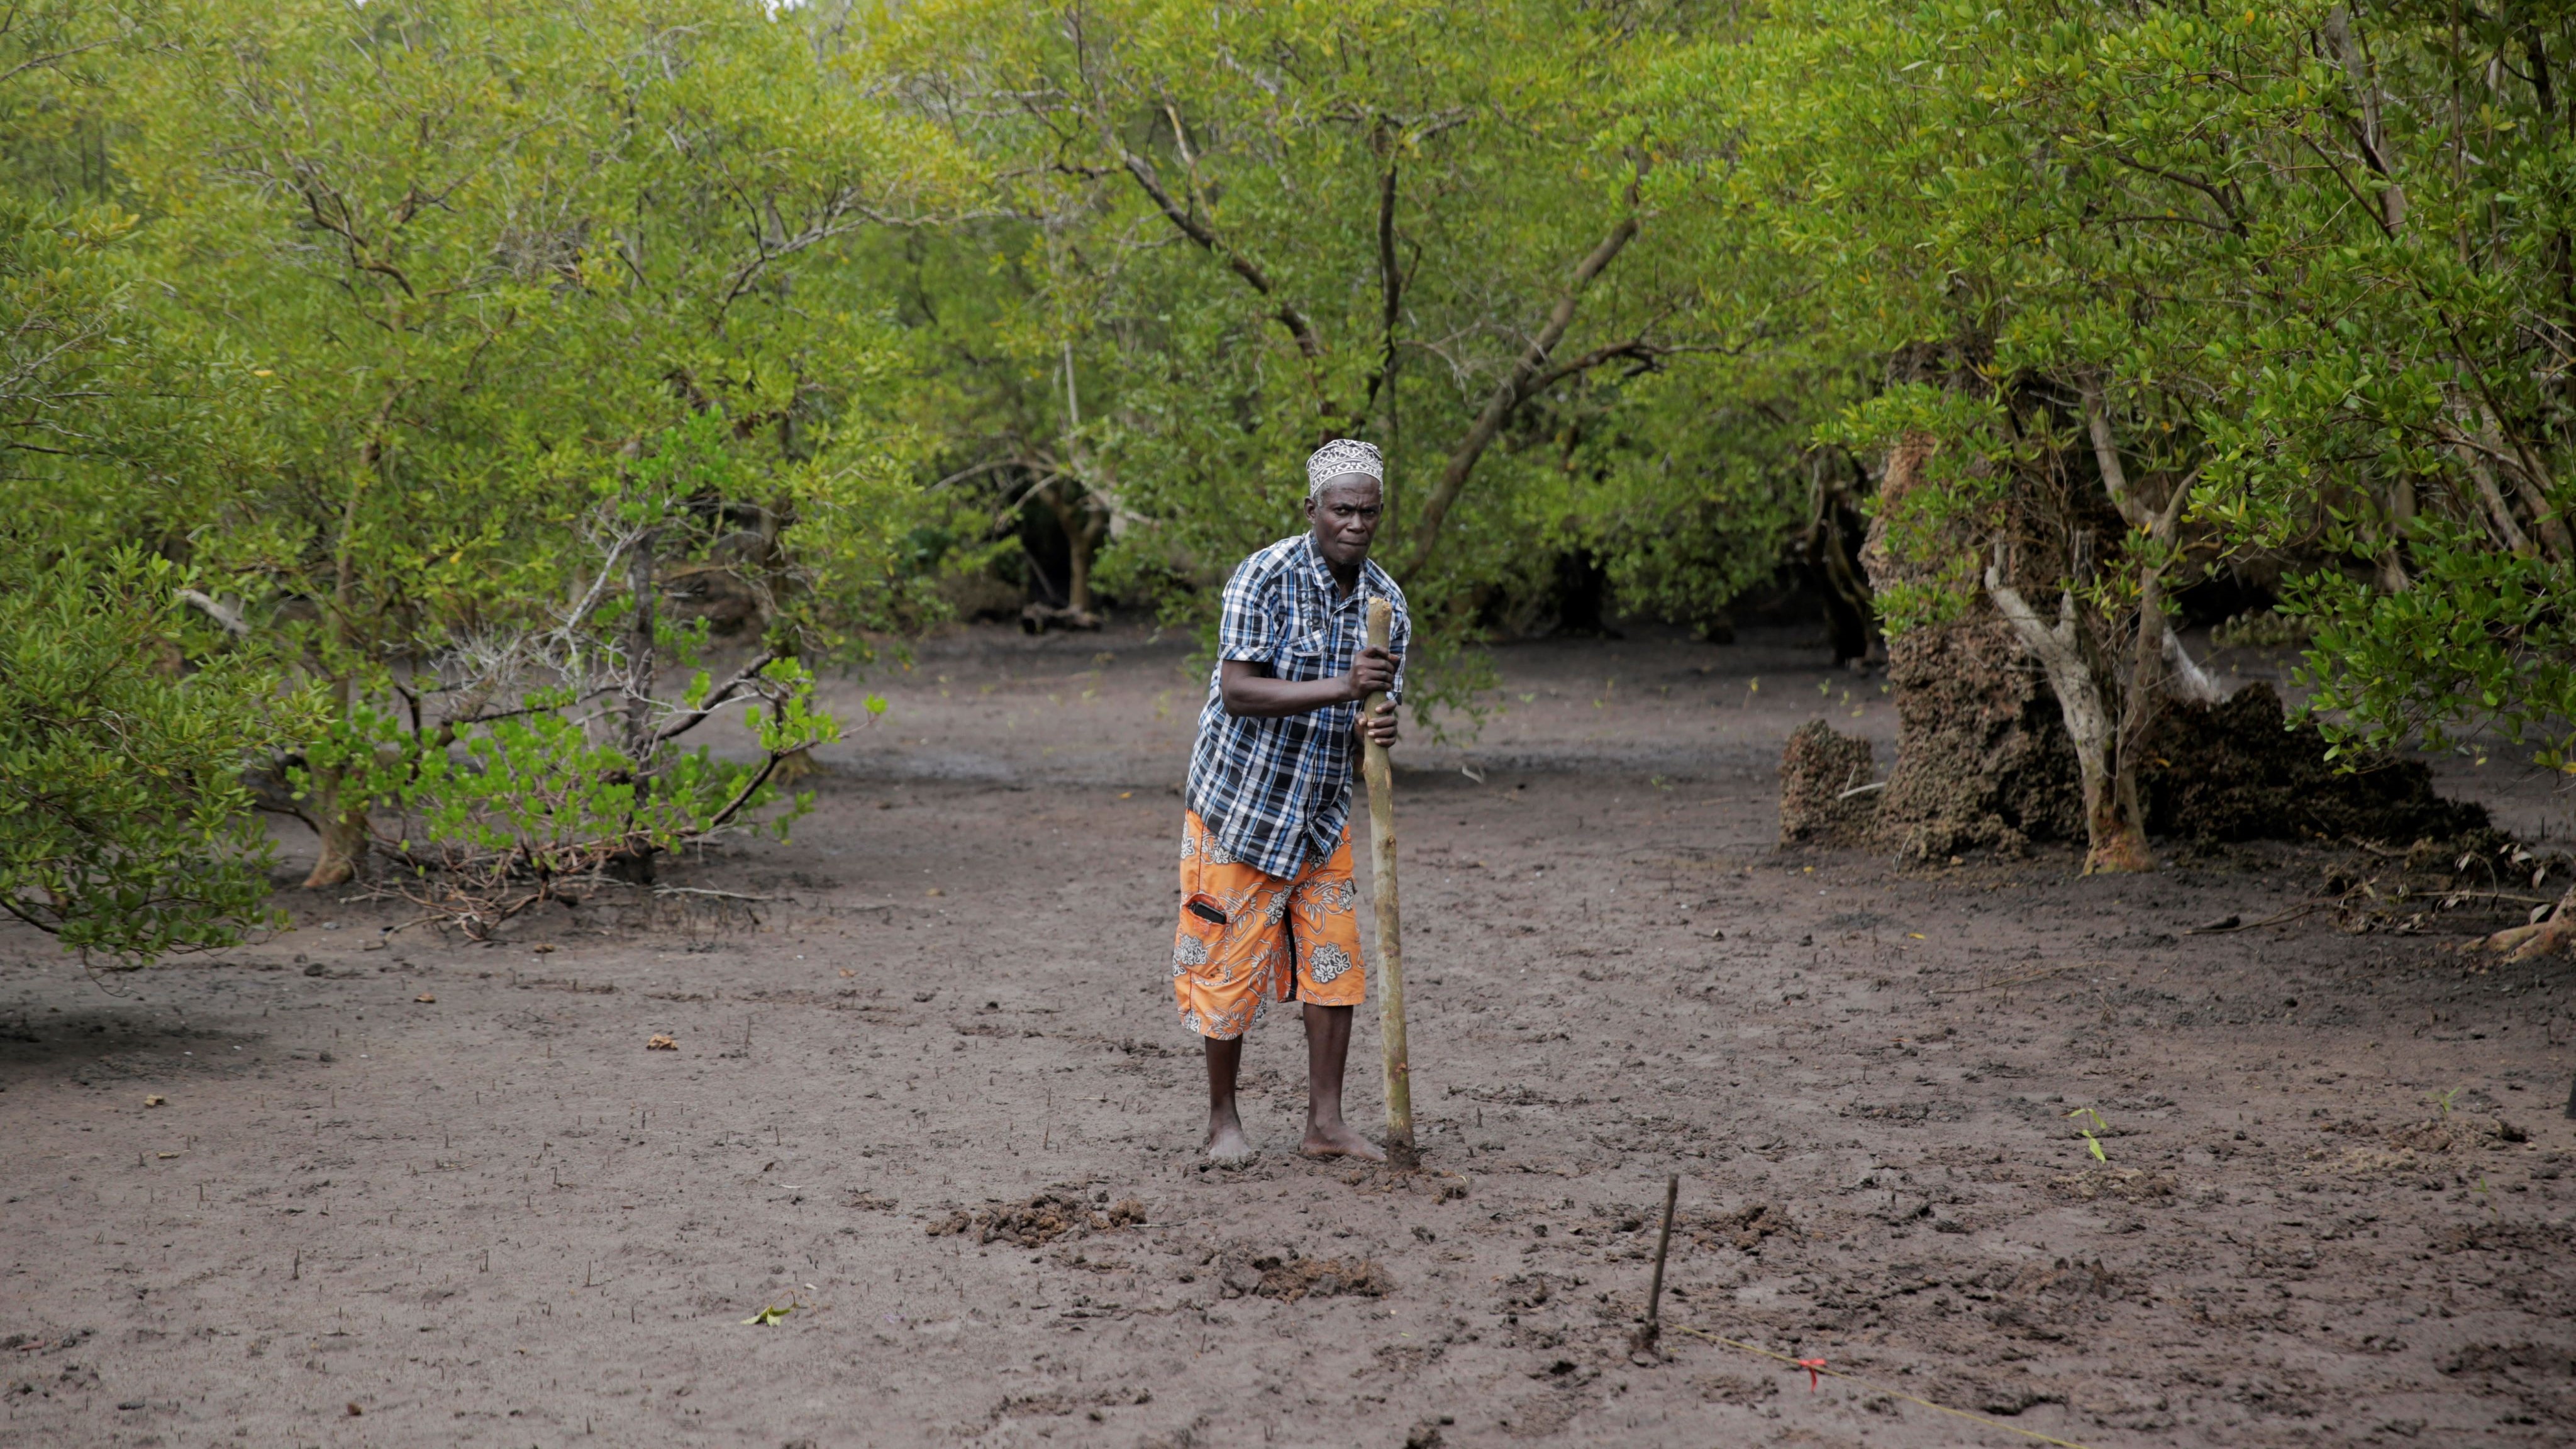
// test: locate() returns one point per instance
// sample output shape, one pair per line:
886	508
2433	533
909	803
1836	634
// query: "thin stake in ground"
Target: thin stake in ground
1645	1343
1390	930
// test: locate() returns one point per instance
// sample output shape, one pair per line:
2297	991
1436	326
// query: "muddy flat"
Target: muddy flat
2035	1149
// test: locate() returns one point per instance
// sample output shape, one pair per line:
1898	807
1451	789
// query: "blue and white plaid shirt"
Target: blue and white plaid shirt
1275	793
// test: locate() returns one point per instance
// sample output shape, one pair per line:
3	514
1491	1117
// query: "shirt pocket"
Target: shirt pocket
1305	649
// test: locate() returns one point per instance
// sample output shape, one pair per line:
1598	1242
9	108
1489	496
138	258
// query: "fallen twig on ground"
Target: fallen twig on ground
2017	980
2293	913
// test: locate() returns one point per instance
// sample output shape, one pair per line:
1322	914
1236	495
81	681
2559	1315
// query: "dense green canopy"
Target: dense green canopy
424	375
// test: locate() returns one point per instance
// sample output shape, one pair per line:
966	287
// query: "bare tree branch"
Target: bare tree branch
225	616
1302	331
1517	384
722	695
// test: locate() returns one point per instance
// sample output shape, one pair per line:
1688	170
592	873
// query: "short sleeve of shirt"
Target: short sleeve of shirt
1399	642
1247	625
1399	631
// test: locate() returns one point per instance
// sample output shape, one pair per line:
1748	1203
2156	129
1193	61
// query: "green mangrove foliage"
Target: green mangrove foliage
2159	288
1216	237
125	825
447	412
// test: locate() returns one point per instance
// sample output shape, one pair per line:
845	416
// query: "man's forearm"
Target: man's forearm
1260	697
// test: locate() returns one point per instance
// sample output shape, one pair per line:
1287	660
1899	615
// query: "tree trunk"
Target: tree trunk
1077	589
2119	842
342	820
2541	938
1828	545
635	865
1082	526
2399	511
640	590
343	827
2114	827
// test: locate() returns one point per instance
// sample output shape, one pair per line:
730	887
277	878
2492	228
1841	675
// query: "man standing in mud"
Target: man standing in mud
1269	911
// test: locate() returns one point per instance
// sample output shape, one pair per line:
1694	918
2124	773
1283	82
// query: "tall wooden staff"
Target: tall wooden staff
1390	928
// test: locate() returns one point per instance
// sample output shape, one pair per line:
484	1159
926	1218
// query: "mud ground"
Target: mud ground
408	1191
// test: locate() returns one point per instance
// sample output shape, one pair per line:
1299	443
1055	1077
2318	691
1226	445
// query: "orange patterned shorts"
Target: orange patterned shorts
1246	937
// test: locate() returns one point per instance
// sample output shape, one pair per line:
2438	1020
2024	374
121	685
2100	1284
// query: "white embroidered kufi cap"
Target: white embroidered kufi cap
1342	456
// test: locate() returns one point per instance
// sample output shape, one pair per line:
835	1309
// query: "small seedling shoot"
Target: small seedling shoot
2091	1142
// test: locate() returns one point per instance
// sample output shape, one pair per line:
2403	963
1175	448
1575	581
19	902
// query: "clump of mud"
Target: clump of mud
2492	1235
1827	790
2416	1148
1290	1277
1529	1290
1982	757
1735	1389
1969	773
2236	770
1060	1405
1040	1220
1743	1230
2070	1278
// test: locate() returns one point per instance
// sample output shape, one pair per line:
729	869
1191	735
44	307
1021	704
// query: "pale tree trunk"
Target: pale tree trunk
2400	507
2108	742
2158	663
1074	519
640	624
642	588
2531	485
2157	640
2189	680
2376	154
2114	827
2555	933
1077	586
344	836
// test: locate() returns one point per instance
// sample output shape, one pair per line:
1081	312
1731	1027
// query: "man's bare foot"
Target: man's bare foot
1338	1140
1225	1143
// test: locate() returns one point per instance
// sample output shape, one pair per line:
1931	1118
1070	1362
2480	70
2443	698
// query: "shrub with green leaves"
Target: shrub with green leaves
553	320
478	825
126	831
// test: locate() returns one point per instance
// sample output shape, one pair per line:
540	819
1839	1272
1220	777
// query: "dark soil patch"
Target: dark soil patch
1037	1222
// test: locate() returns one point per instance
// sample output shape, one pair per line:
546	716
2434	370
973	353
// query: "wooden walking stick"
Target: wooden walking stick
1390	929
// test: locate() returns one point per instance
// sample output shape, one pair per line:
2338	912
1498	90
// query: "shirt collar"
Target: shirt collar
1320	574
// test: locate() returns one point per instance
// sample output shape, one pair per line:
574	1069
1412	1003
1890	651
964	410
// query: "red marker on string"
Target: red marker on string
1811	1365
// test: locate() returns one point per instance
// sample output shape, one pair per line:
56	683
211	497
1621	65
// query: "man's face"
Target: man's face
1344	513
